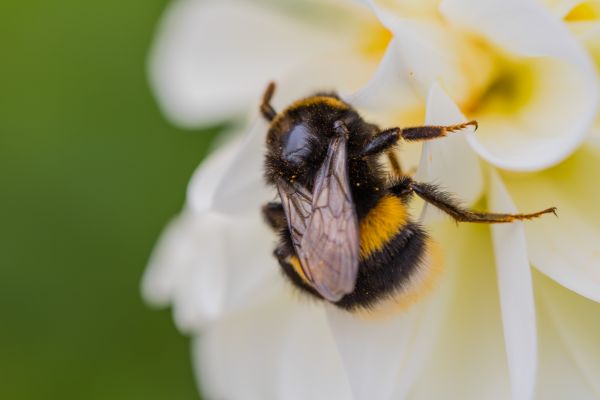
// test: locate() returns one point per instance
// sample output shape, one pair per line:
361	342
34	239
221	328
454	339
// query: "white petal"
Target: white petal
555	121
594	137
577	321
232	268
238	356
169	262
187	268
200	292
213	59
562	375
188	265
311	367
384	355
390	90
516	293
254	274
469	360
209	264
561	8
210	173
564	248
280	350
449	161
372	351
523	27
244	190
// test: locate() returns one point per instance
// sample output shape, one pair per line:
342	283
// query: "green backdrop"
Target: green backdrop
90	172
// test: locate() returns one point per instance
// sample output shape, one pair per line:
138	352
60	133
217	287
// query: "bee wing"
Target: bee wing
328	251
297	205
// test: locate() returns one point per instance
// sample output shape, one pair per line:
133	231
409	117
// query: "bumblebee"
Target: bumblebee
345	233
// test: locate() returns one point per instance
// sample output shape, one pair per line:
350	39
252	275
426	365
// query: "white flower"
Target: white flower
522	69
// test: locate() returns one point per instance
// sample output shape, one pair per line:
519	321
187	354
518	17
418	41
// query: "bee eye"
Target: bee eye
296	144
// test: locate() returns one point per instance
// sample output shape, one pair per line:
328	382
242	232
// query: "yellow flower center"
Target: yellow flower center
373	39
510	88
584	11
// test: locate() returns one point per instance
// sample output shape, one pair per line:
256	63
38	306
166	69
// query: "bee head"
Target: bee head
298	138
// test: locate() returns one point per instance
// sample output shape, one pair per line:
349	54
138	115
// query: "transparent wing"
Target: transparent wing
329	247
297	205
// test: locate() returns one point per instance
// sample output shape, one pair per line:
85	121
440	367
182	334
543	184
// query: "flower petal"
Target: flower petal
577	322
200	293
169	262
449	161
310	364
469	360
210	173
384	355
564	369
242	189
237	357
564	248
516	293
213	59
565	80
178	245
279	350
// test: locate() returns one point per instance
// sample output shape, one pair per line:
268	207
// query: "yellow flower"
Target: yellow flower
491	328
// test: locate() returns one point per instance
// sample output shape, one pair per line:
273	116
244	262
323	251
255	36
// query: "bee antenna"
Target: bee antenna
266	109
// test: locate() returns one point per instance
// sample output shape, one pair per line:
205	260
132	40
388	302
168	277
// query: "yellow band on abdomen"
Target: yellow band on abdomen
295	263
381	224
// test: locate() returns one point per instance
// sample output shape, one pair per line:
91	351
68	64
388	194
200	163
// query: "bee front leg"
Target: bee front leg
447	203
389	137
274	215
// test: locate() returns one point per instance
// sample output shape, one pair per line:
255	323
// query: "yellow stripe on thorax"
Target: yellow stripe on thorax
311	101
314	100
381	224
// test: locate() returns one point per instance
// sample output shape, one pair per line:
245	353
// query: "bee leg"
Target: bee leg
266	109
389	137
274	215
448	204
433	131
381	142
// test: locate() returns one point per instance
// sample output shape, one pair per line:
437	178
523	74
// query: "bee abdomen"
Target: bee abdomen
387	272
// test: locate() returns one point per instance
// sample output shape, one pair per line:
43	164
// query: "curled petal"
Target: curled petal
516	294
564	100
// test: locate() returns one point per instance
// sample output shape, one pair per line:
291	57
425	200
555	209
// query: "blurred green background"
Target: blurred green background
90	172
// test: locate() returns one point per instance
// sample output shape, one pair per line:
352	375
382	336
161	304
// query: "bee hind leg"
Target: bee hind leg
447	203
266	109
274	215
